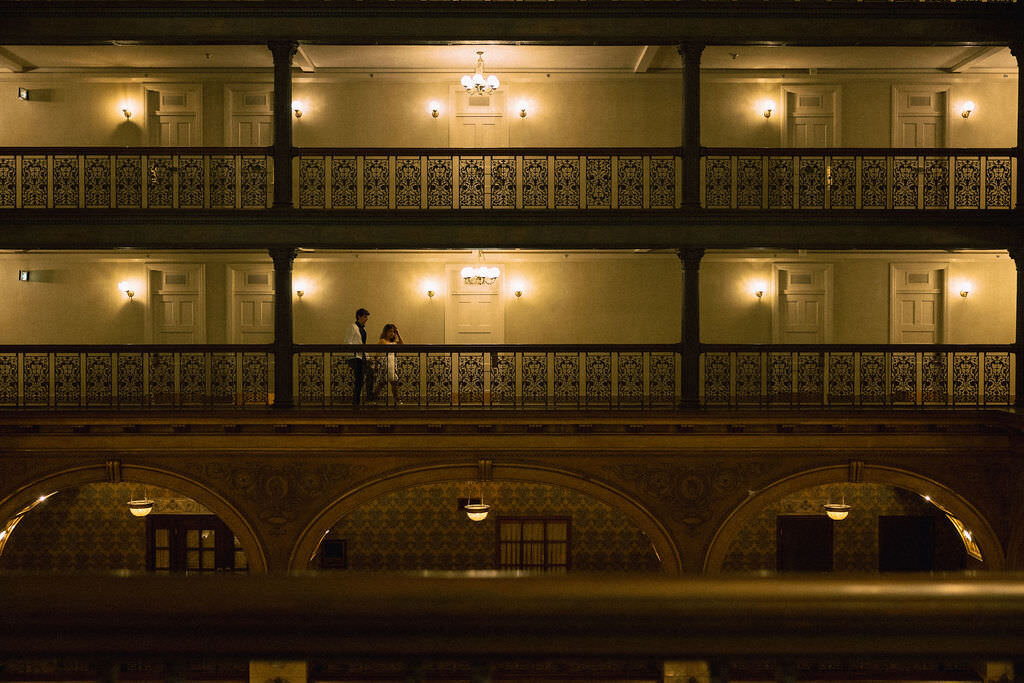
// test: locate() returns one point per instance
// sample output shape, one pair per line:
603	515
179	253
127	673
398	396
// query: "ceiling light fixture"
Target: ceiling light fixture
478	84
140	507
481	275
837	511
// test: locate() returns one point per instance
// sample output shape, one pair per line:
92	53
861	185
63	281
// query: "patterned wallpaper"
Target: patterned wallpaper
855	539
89	529
421	528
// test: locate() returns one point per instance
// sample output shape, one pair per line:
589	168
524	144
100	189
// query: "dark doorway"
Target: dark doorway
906	543
803	543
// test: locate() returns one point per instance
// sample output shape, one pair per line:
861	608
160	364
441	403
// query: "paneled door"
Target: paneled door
251	304
249	115
802	312
474	314
920	116
477	121
811	113
917	303
177	311
175	115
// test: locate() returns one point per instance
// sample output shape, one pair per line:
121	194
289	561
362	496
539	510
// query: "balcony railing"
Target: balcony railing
857	178
510	377
135	376
499	376
611	178
136	178
508	179
859	375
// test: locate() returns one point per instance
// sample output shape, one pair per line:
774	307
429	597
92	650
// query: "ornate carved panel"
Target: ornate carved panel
376	183
749	182
841	380
812	183
631	183
130	379
34	178
717	378
99	379
599	182
503	182
67	379
223	374
872	379
256	368
535	182
161	379
936	183
36	373
407	367
535	378
966	378
997	378
8	182
191	182
471	182
717	182
408	183
8	379
780	377
873	194
97	182
503	379
663	378
471	378
631	378
342	379
567	378
663	182
598	369
810	378
440	194
905	175
344	183
841	177
998	179
933	378
748	378
312	183
567	182
311	380
439	379
65	182
903	376
967	183
193	378
780	182
159	182
222	182
128	177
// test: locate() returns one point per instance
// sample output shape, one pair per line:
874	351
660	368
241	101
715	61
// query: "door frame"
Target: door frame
231	269
833	91
195	89
944	266
775	294
496	290
153	292
900	88
230	90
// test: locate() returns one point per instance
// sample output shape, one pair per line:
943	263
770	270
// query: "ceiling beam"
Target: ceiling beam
647	55
11	62
975	56
303	61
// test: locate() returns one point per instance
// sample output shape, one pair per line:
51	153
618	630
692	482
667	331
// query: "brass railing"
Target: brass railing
508	178
858	178
136	178
861	375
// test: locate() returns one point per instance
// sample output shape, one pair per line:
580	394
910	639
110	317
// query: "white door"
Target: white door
252	130
811	116
176	130
252	304
249	116
474	314
802	312
920	117
477	121
917	303
175	115
178	313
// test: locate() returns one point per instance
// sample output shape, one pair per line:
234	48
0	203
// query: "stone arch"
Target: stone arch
986	538
635	511
98	474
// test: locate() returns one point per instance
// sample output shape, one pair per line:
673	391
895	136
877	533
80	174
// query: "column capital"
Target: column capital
1017	50
1017	254
690	257
283	257
284	49
690	51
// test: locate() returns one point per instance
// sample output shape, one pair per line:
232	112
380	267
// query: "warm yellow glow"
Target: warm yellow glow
128	288
435	108
301	288
837	511
140	508
298	108
127	110
967	109
767	107
477	511
524	107
518	289
758	288
480	275
965	288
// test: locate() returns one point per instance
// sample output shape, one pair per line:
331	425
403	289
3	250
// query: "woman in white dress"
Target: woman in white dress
391	335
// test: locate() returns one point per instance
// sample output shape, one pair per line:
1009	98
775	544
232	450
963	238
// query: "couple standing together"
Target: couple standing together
363	372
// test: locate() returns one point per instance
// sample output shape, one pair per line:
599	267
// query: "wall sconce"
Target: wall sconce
299	293
965	289
767	107
297	108
23	94
758	289
518	293
430	293
967	109
24	275
300	287
523	107
126	287
126	113
435	109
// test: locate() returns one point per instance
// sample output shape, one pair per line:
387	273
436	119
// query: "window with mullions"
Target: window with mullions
192	544
539	544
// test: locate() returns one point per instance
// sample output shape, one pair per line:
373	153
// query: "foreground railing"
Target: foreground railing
498	376
857	375
135	376
608	178
136	178
853	178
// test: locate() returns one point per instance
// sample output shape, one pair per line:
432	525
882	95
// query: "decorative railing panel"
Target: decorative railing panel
128	376
612	178
497	376
858	178
136	178
857	375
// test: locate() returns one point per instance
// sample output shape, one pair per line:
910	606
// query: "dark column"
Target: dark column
1018	260
691	52
1017	49
283	333
690	259
283	51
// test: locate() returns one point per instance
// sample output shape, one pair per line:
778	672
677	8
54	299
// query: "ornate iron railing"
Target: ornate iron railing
860	375
135	376
136	178
498	376
545	178
856	178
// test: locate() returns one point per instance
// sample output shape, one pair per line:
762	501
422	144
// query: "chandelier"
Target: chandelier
480	275
478	84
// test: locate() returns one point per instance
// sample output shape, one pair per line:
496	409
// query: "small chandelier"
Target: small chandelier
477	512
477	83
140	507
837	511
480	275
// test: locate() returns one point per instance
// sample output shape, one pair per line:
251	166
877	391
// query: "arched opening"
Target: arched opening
897	521
539	519
79	521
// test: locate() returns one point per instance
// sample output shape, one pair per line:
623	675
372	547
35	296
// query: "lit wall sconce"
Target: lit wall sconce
23	94
297	108
518	293
24	275
967	109
126	113
767	107
523	108
518	289
126	287
435	109
758	289
965	289
301	286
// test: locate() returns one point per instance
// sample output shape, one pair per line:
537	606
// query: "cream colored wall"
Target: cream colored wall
617	299
386	112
